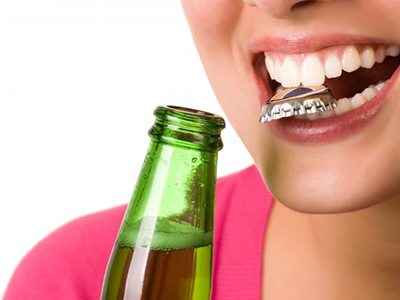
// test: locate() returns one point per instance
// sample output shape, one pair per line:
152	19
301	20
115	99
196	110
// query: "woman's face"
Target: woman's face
333	164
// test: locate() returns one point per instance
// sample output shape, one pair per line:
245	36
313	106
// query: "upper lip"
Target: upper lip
308	43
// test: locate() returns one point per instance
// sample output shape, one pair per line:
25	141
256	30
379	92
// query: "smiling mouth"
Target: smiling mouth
355	74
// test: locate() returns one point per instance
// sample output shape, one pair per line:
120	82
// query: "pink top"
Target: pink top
70	262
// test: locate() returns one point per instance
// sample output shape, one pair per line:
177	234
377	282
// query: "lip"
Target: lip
309	43
336	127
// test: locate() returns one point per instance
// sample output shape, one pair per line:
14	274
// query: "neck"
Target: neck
362	244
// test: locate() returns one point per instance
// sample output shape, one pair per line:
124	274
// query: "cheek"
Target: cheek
212	18
218	27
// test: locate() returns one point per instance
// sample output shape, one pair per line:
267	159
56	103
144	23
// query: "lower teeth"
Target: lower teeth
347	104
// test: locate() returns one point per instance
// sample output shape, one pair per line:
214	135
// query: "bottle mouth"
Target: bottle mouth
193	111
187	127
195	115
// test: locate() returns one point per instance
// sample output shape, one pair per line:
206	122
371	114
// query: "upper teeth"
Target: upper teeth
311	69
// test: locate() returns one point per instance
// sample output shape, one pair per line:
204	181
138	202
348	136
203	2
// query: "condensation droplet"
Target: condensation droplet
194	159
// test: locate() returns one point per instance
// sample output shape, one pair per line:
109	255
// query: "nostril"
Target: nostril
280	8
302	4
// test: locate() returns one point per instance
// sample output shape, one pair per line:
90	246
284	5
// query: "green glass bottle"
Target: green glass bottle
164	246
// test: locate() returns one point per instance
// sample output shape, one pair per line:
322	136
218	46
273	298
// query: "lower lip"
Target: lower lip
332	128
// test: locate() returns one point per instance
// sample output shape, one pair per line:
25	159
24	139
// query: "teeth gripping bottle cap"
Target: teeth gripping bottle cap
297	101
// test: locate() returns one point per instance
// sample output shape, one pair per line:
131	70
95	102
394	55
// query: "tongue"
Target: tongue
350	84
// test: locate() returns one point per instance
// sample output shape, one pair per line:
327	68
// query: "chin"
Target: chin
323	192
322	202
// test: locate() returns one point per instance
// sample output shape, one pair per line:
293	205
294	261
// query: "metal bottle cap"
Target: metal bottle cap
297	101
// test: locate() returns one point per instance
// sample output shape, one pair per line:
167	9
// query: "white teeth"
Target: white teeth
358	100
327	114
333	67
351	59
380	86
270	67
277	71
370	92
279	89
380	54
290	73
312	116
342	106
312	71
346	104
367	58
392	50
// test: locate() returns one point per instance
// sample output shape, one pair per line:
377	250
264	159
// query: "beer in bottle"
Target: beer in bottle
164	246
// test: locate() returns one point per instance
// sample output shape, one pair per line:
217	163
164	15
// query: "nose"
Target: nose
280	9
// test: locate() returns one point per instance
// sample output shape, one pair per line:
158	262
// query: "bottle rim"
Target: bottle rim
192	114
193	111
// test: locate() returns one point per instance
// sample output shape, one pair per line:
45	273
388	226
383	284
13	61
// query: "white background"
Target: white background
79	81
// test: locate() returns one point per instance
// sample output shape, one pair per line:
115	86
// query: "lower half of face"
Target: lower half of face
340	161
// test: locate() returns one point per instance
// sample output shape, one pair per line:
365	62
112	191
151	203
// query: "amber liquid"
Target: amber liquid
144	274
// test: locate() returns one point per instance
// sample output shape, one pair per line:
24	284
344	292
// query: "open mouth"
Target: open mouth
355	74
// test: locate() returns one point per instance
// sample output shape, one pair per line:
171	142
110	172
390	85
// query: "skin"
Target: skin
340	199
